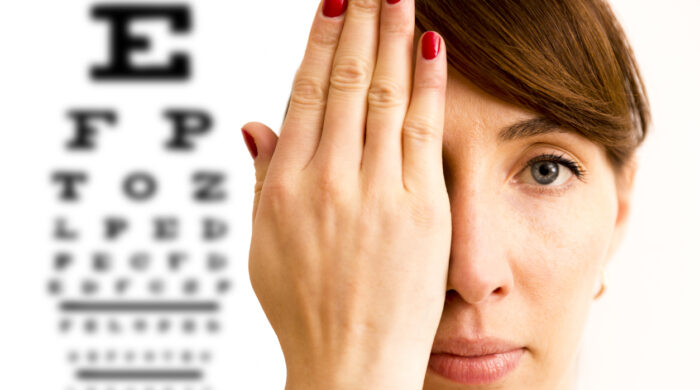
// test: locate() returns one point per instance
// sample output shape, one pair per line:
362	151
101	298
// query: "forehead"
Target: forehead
482	129
471	111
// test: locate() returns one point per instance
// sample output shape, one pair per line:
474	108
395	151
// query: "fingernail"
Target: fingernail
392	1
333	8
431	45
250	143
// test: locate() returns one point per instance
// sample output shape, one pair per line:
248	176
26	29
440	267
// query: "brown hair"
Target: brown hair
568	60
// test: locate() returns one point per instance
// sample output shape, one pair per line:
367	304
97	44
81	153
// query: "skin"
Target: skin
524	264
334	259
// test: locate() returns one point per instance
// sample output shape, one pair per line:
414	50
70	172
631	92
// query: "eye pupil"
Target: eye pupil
545	172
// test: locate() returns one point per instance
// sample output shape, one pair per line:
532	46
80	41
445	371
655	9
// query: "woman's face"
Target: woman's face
528	247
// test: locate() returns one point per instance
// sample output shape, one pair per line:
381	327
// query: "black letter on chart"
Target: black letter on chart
209	186
114	227
186	125
123	44
140	186
69	182
85	127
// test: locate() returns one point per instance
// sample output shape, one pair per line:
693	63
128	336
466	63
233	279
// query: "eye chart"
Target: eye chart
128	192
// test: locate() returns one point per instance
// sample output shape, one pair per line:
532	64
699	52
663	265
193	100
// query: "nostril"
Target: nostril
451	295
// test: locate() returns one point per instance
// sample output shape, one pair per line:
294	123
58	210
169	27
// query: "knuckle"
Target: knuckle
258	188
420	129
370	7
350	73
380	199
308	92
425	214
331	195
328	186
276	195
324	37
397	27
430	81
386	93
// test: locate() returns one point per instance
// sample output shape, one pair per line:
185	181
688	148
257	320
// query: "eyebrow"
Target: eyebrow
528	128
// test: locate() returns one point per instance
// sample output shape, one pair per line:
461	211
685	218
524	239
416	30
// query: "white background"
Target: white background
641	335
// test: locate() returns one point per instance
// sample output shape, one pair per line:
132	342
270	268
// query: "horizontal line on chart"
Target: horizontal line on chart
138	306
129	375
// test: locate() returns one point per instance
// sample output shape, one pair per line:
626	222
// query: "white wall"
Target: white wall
643	333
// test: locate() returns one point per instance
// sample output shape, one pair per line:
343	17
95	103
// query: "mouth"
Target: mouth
474	361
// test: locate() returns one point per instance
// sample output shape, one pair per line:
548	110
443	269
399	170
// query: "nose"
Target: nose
480	269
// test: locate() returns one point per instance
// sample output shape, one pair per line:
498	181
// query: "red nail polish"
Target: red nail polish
431	45
333	8
392	1
250	143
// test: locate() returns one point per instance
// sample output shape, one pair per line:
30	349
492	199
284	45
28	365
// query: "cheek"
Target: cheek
562	239
562	242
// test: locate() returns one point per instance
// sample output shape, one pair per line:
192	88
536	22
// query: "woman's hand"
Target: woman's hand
351	223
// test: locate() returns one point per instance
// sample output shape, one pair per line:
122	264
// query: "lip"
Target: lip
474	361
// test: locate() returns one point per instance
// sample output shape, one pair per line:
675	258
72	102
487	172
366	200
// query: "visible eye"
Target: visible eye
550	170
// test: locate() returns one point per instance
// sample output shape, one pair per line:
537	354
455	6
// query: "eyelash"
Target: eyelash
577	169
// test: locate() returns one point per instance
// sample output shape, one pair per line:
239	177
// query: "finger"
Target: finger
389	91
301	130
261	142
423	126
342	137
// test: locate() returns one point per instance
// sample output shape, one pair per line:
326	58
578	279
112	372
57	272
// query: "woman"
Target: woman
425	225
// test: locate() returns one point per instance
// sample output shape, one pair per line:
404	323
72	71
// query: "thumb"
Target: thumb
261	142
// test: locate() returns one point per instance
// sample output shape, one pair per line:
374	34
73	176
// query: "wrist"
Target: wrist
385	371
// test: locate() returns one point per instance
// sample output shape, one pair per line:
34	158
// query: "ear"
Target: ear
624	182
